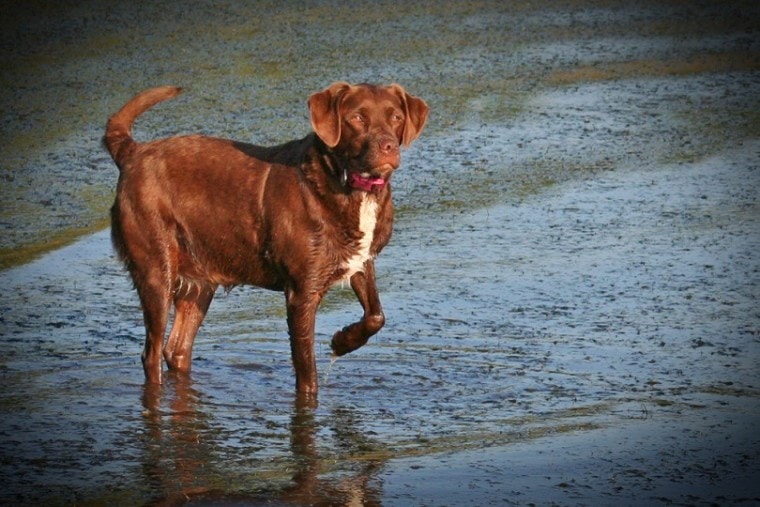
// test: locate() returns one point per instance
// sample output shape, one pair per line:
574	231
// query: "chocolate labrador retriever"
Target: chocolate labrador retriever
193	213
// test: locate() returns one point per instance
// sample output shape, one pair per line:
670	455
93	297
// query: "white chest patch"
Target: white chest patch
367	223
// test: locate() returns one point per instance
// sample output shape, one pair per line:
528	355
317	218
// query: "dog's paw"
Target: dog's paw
341	343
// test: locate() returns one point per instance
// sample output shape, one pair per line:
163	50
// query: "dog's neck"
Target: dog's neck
326	172
334	170
348	180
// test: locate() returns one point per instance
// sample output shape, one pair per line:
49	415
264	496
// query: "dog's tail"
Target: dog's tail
118	138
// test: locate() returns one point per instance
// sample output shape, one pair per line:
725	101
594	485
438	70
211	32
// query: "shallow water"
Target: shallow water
623	297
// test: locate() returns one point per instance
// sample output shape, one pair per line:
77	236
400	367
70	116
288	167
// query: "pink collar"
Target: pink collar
359	182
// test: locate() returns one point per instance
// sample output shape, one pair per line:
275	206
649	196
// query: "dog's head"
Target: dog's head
364	126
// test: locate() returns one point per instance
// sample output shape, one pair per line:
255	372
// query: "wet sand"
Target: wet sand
571	289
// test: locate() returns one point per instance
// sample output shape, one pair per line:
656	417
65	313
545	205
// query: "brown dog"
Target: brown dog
193	213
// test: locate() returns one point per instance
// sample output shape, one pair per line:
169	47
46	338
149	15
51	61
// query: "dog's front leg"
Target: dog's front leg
302	313
354	336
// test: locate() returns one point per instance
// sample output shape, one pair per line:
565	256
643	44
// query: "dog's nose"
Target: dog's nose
388	145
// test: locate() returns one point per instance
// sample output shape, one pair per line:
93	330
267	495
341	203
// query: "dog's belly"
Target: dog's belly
229	276
227	267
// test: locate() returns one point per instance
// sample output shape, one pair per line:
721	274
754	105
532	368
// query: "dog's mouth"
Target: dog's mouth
366	182
369	181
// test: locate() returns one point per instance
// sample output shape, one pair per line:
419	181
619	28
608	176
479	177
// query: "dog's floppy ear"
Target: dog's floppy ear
416	112
324	107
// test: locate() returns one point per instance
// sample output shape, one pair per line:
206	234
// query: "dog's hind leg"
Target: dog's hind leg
191	302
152	262
155	296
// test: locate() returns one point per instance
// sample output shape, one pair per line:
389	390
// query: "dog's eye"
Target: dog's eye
397	118
356	118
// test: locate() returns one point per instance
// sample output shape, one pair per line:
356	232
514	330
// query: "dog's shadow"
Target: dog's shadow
177	454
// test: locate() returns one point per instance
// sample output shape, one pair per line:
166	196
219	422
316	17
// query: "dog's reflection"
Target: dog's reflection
180	458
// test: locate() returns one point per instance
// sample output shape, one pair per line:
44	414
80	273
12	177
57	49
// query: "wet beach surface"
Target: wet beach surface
571	289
